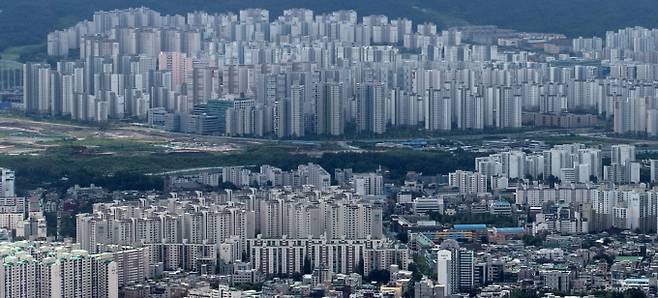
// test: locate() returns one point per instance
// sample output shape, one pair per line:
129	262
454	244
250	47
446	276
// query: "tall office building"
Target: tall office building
178	64
371	108
11	75
36	88
245	118
624	209
219	108
7	177
438	111
465	260
282	117
444	274
508	109
623	167
621	154
630	115
473	112
296	110
653	166
368	184
468	182
329	108
455	268
592	158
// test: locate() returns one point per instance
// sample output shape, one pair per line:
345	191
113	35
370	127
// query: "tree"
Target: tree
607	258
403	236
634	293
530	240
410	292
630	293
552	180
379	276
416	274
307	265
360	267
297	276
67	225
422	265
523	294
227	185
587	243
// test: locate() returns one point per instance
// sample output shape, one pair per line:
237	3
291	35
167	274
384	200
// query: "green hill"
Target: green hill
28	22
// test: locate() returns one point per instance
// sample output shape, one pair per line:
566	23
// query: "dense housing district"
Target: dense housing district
524	218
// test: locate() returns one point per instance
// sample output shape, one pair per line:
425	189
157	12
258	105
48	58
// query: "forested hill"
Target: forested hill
25	22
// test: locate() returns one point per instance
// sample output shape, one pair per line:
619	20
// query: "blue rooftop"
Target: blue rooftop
502	203
469	227
510	230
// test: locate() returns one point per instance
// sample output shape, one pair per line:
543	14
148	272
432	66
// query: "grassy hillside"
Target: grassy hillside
27	22
117	164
